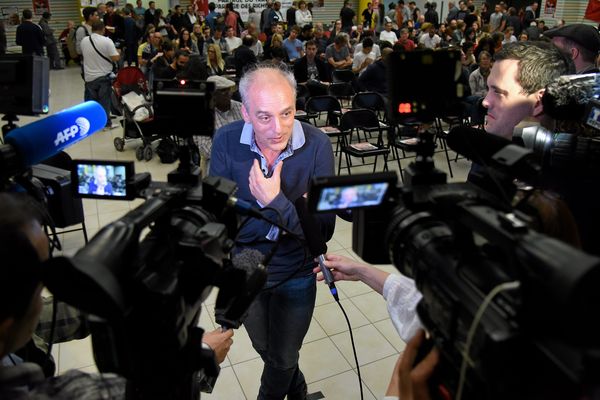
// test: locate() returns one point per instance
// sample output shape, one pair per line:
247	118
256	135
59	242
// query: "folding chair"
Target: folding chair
366	121
317	105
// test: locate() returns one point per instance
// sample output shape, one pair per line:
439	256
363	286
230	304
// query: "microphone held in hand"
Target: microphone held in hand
245	280
314	241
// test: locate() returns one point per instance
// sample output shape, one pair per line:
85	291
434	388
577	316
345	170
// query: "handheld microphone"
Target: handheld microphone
488	149
40	140
234	301
315	241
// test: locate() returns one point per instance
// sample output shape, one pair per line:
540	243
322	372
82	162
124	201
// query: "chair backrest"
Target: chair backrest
343	75
370	100
359	119
325	103
341	89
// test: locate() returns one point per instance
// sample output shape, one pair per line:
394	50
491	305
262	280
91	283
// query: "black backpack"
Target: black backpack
167	151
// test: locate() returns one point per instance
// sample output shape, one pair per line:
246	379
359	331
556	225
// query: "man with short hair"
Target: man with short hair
233	42
372	78
151	52
210	19
149	13
530	14
265	25
581	42
402	14
272	158
430	40
51	42
99	54
311	70
497	20
388	34
290	15
452	11
30	35
177	20
275	14
190	18
139	8
244	57
364	58
90	15
348	16
293	45
219	40
338	54
431	15
367	16
113	23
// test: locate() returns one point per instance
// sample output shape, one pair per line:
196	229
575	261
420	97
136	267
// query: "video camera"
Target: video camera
510	310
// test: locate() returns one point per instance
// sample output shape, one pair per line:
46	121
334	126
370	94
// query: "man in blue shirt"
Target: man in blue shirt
273	157
293	45
212	15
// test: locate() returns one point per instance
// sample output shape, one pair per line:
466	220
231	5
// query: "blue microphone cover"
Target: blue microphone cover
42	139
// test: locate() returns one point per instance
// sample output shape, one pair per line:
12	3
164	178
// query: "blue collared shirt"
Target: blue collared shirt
297	140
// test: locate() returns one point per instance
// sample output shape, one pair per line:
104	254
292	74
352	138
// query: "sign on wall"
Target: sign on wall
41	6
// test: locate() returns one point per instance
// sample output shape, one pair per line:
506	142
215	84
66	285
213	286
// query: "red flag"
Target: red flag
593	10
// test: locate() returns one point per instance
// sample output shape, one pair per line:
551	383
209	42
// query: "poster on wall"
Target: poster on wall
11	17
41	6
549	8
242	6
593	10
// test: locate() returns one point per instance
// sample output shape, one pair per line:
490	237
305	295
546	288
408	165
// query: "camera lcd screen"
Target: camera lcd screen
344	197
102	179
593	118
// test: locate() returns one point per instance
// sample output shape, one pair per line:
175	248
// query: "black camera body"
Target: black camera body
511	310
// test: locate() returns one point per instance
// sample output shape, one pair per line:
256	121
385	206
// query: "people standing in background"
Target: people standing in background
3	43
265	23
379	17
190	18
347	16
30	35
253	17
290	15
367	16
51	42
303	16
150	14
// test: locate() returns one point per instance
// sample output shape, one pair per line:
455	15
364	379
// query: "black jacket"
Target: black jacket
31	38
301	70
243	58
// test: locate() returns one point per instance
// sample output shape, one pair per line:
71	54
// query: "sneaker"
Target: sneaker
111	126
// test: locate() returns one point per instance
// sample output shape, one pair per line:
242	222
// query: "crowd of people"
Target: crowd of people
508	57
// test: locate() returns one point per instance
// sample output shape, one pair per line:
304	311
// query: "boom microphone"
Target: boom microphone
315	241
488	149
40	140
231	306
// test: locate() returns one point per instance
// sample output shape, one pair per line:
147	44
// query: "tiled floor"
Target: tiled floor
326	357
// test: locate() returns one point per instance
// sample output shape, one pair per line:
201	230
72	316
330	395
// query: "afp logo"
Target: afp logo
81	127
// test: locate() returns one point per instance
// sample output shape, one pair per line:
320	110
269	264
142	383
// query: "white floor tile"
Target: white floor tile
320	360
387	329
226	387
76	354
370	345
248	374
315	332
377	375
332	320
372	305
341	387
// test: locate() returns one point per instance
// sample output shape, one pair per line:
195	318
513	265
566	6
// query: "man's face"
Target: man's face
506	102
279	29
182	61
230	32
311	51
138	3
222	99
318	33
534	6
102	8
497	9
190	9
403	35
485	62
431	32
218	34
293	34
156	39
206	33
277	6
388	27
100	175
367	50
360	29
152	5
271	109
453	24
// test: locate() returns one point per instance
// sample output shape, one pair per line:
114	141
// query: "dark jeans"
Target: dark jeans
52	52
277	323
100	90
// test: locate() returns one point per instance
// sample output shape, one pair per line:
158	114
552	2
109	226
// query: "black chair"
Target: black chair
316	106
366	121
343	75
343	91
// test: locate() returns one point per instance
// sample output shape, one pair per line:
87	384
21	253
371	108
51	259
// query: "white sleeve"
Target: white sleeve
402	297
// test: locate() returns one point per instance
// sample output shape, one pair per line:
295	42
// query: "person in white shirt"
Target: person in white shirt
376	49
233	42
99	53
364	58
509	36
430	40
303	16
388	34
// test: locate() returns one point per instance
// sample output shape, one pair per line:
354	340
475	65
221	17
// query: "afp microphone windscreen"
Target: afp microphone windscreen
45	138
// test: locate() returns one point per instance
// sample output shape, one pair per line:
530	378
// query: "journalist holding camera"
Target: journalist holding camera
24	250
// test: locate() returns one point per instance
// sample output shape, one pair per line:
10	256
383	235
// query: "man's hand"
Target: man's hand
408	382
265	189
219	342
342	268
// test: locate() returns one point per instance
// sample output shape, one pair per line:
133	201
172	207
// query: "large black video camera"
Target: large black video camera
511	310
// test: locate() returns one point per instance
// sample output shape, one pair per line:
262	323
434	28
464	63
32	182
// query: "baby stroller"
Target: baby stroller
135	101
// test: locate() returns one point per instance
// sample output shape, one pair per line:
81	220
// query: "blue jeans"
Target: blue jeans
277	323
100	90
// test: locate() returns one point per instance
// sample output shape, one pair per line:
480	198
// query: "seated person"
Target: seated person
215	65
312	71
364	58
233	42
100	185
177	64
244	57
293	45
338	54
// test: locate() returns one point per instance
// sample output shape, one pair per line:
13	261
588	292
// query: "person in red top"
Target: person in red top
405	42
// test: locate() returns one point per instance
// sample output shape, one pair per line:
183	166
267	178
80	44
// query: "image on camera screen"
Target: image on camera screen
363	195
101	180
